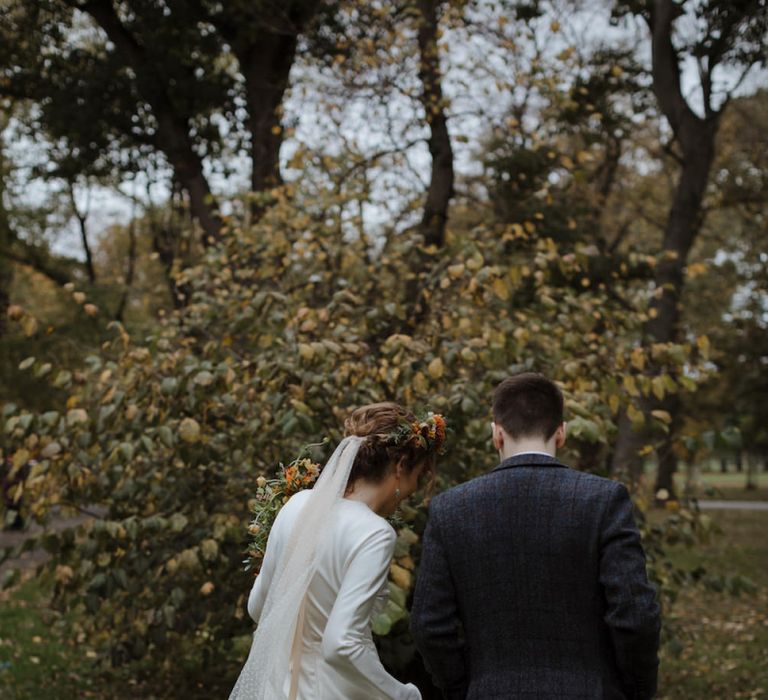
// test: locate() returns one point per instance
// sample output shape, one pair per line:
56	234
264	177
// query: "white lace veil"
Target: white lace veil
265	673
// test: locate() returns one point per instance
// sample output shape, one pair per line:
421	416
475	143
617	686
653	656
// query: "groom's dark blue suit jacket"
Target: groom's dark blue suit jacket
532	584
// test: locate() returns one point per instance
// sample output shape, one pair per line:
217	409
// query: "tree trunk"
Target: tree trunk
266	66
441	180
665	477
751	473
696	137
627	462
172	128
6	266
168	244
130	269
265	47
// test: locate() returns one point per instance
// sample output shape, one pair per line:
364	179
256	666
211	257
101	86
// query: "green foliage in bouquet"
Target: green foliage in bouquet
271	495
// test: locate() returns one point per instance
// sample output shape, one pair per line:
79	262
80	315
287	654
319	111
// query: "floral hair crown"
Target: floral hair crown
427	433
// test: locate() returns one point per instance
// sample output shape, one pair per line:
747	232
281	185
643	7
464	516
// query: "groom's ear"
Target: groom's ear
560	434
497	436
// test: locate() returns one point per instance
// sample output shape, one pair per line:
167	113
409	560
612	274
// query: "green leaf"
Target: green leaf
178	522
27	363
382	624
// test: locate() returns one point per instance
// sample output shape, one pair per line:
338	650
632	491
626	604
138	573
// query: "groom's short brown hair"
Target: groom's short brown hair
528	405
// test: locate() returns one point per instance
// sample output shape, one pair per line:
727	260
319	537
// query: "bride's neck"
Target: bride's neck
378	497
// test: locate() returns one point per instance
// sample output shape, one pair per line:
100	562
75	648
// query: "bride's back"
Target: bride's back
354	527
348	587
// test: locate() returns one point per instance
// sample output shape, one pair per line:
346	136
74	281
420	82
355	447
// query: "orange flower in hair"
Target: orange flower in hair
428	433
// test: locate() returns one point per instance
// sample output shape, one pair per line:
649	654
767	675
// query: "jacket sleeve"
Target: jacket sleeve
632	613
435	623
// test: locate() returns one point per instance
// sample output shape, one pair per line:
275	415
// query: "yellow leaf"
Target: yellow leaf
613	403
500	289
658	388
638	359
456	271
401	577
420	383
63	573
306	352
75	416
20	458
663	416
189	430
29	324
635	416
436	368
475	262
703	344
631	385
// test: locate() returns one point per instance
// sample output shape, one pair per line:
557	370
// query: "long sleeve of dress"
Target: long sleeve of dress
347	645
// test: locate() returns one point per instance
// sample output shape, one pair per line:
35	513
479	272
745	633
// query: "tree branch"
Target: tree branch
172	128
82	220
58	270
666	65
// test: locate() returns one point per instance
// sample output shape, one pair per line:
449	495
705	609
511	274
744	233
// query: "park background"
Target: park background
225	224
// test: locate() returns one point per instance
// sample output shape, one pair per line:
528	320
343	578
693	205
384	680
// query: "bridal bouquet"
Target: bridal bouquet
271	495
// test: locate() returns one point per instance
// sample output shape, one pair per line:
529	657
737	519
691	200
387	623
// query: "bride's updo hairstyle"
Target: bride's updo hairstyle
382	426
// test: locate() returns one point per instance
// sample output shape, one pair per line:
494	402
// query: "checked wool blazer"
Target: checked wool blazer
532	584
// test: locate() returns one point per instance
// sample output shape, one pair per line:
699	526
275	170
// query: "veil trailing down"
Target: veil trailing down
276	650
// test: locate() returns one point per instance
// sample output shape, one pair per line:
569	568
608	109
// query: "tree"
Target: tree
144	80
733	35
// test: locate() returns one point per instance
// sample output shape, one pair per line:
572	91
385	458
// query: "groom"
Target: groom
532	581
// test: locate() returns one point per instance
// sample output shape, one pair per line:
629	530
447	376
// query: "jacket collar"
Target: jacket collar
530	459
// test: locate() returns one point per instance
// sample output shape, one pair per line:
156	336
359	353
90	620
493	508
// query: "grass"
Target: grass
41	660
729	487
36	658
724	638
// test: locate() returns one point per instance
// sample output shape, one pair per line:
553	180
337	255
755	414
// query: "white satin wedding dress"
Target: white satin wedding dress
338	659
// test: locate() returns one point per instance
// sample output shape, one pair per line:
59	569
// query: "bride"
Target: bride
325	568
